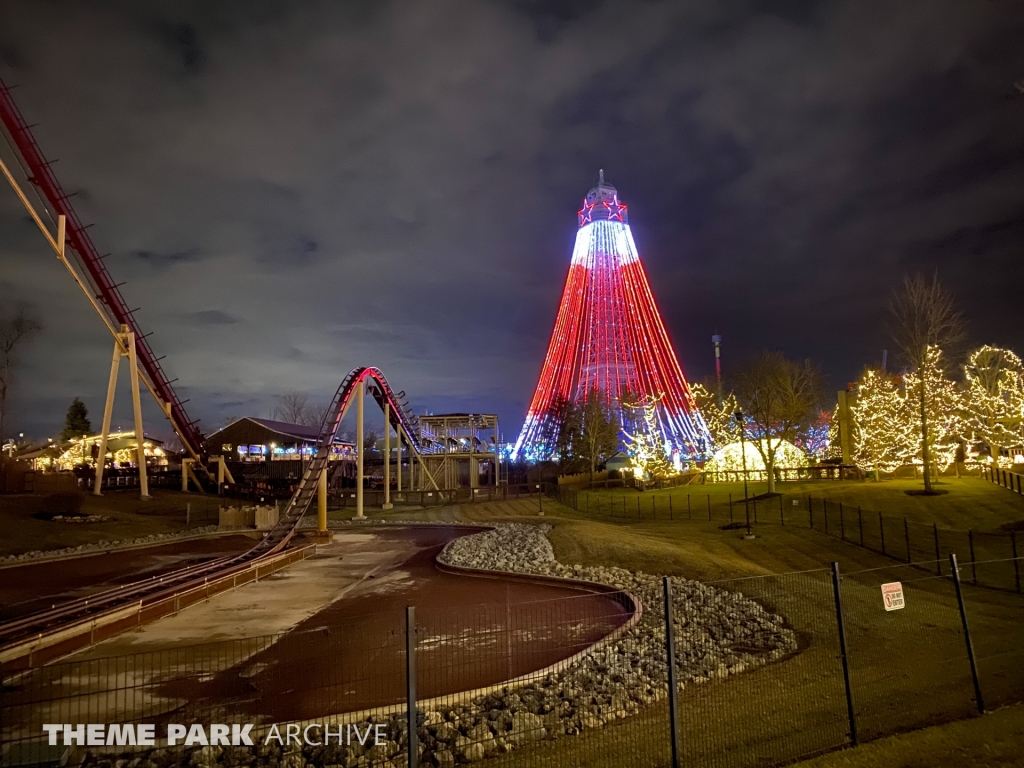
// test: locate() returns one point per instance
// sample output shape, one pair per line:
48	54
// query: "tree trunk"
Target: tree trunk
925	453
770	466
877	478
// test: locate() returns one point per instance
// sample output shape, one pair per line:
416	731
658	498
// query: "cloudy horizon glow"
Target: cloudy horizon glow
293	189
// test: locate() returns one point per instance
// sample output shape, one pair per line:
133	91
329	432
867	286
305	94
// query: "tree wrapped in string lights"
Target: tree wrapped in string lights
942	409
718	414
888	414
609	336
644	441
994	398
884	424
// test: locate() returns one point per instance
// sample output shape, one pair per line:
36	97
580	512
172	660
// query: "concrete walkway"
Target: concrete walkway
275	604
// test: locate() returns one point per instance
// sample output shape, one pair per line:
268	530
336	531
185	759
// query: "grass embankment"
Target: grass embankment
132	517
967	502
994	740
909	668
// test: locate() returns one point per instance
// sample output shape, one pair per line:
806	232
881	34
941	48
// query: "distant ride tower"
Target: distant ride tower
609	335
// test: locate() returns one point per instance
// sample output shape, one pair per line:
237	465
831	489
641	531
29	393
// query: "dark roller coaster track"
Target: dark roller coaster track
275	541
108	295
38	171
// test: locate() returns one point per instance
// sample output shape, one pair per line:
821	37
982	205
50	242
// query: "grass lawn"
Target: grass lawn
909	668
986	742
132	517
969	502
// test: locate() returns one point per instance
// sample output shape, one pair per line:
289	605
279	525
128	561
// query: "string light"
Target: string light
729	458
718	416
645	442
994	399
609	336
887	417
882	424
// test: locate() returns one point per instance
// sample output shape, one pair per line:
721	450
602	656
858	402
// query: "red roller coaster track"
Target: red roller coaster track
22	637
107	292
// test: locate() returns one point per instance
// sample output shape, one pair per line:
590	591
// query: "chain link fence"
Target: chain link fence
767	670
896	537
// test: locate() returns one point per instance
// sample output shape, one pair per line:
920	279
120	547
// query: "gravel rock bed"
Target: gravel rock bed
156	538
718	633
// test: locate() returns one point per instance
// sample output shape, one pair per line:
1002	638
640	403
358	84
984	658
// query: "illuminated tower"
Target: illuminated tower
609	335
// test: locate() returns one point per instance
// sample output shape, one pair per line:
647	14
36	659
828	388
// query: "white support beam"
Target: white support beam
360	449
387	455
108	408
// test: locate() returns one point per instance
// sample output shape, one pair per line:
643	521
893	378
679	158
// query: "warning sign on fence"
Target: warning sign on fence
892	596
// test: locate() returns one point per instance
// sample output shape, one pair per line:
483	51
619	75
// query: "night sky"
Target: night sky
292	189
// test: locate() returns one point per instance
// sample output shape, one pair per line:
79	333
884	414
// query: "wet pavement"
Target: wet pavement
471	632
327	636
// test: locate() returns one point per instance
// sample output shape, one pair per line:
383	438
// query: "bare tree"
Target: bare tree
780	398
599	436
295	408
924	315
370	442
14	331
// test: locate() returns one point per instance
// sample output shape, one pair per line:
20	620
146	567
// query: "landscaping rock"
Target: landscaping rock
718	633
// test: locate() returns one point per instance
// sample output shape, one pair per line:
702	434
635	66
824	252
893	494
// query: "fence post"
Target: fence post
974	566
845	655
410	685
860	525
670	647
906	536
1016	562
938	557
955	570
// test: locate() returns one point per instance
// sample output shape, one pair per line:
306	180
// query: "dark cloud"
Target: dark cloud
182	41
167	258
211	317
396	183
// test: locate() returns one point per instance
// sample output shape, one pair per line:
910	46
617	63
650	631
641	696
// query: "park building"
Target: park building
249	439
121	453
269	453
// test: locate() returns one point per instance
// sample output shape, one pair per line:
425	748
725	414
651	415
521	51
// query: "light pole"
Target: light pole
743	454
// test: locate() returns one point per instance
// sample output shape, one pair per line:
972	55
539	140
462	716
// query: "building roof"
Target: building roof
300	431
284	429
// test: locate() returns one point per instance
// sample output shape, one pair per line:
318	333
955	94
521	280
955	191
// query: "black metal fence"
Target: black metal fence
1010	479
436	498
895	537
768	670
